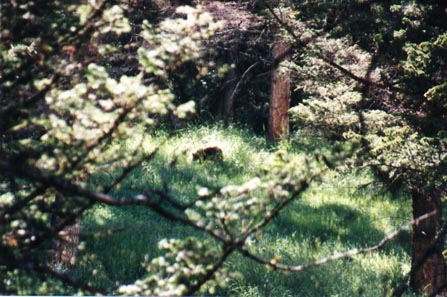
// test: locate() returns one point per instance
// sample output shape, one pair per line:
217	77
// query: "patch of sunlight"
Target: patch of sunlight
319	197
384	263
6	199
142	141
247	291
387	216
149	144
102	214
232	142
345	190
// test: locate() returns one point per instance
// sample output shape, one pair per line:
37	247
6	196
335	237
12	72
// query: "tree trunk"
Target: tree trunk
225	104
226	100
66	245
429	275
278	125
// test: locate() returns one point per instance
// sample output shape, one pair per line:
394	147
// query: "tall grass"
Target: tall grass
331	217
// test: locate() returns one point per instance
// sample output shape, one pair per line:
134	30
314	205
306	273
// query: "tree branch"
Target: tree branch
227	252
339	256
236	88
34	266
71	188
270	216
329	61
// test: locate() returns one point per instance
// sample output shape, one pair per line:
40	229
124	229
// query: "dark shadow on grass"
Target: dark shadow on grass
329	222
138	229
304	234
123	241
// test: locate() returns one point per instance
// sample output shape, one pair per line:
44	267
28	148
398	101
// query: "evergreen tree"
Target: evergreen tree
78	83
374	73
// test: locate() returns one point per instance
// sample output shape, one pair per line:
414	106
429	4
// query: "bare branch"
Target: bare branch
236	88
339	256
270	216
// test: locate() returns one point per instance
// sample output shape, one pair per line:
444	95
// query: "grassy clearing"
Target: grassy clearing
328	219
331	217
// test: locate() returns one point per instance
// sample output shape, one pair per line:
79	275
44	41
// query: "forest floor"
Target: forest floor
346	210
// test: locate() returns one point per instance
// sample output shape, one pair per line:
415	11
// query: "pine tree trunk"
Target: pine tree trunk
430	275
66	245
225	103
226	100
278	125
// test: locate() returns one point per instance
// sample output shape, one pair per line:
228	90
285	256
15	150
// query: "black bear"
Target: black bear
211	153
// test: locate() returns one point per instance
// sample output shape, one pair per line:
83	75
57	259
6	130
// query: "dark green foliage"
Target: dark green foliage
384	64
93	111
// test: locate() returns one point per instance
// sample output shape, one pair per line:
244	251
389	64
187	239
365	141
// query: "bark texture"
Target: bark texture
278	125
429	275
66	245
226	101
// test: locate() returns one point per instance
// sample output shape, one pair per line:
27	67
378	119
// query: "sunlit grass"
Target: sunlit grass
333	216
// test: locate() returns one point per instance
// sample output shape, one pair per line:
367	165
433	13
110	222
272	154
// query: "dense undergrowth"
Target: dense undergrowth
344	211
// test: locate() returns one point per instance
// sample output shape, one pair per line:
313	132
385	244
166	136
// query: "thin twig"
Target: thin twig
270	216
236	88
